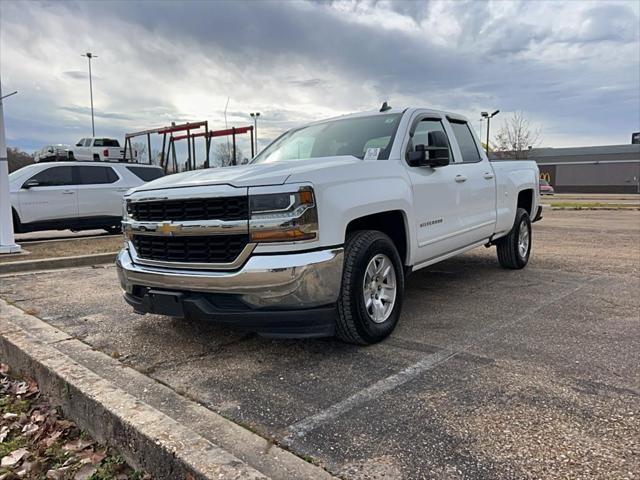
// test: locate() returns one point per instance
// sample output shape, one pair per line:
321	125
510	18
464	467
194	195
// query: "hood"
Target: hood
238	176
246	175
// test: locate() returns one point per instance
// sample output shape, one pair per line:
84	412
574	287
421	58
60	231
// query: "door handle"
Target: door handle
68	192
488	175
461	178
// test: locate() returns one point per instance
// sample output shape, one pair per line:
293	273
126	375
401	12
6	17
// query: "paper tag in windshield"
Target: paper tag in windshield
372	154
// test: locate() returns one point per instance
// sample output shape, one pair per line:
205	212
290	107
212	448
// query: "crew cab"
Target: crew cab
97	149
318	233
73	195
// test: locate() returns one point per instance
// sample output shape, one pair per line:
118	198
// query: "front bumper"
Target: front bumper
281	284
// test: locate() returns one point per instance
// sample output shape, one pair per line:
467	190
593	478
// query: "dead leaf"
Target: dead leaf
10	416
85	472
78	445
89	456
20	388
14	457
4	431
51	439
58	473
29	429
4	369
32	387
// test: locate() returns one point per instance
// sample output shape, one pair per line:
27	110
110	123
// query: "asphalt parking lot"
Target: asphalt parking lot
490	373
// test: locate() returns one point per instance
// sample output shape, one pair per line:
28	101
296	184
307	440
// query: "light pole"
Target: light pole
7	240
255	127
488	117
89	56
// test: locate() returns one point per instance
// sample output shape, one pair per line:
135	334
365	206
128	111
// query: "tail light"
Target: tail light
106	152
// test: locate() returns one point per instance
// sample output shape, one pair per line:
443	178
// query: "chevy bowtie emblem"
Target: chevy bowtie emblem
168	228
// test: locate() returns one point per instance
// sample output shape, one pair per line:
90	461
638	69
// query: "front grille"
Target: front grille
215	208
190	249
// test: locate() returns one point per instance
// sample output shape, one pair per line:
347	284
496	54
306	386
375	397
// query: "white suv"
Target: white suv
73	195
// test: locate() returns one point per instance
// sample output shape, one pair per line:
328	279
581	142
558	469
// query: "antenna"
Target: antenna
385	106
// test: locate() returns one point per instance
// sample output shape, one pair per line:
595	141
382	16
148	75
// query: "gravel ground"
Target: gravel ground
67	247
490	374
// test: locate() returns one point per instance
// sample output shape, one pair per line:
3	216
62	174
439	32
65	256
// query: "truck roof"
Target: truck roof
370	113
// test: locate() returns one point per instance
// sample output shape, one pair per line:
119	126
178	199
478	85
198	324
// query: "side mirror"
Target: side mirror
30	183
436	154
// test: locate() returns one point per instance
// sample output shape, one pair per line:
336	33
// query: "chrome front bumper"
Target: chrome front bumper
284	281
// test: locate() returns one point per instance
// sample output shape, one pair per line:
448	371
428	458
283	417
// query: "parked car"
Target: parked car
54	152
99	149
74	195
317	235
546	188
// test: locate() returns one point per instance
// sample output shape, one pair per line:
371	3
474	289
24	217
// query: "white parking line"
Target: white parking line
304	426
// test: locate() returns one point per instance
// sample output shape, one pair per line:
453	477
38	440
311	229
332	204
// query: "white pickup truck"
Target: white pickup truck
318	233
98	149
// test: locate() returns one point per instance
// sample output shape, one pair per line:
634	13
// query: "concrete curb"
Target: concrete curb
58	262
155	429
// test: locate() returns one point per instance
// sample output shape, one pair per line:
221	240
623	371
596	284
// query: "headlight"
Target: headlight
282	217
125	217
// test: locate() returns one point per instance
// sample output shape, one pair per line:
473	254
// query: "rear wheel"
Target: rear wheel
372	288
515	248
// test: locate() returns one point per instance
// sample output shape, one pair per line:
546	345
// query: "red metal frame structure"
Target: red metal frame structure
233	131
168	149
168	144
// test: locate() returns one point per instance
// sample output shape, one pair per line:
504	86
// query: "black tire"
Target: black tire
354	324
70	156
114	229
509	254
96	157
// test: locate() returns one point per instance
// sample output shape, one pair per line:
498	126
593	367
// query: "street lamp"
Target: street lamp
89	56
255	127
488	117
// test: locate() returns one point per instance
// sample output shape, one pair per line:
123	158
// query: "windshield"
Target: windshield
370	137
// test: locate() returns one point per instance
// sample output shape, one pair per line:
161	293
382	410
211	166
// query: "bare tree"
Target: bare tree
141	149
18	159
223	155
516	136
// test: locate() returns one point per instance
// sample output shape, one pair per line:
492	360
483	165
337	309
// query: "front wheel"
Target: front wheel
515	248
113	230
372	288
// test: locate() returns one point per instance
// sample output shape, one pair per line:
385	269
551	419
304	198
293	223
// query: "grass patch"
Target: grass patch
585	205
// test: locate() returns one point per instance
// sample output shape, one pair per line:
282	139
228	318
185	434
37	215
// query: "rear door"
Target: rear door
100	191
52	196
476	186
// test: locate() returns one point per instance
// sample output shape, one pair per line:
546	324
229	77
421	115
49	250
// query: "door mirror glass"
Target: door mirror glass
30	183
435	154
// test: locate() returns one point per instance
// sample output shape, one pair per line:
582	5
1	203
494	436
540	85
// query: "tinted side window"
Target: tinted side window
106	142
468	146
54	176
421	133
96	175
87	142
146	174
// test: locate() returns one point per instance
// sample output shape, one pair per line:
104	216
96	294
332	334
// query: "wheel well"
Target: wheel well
16	221
390	223
525	200
96	156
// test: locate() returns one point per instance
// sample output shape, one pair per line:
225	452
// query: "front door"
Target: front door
50	195
436	199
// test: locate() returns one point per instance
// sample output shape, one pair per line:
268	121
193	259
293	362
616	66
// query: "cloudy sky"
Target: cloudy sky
573	67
